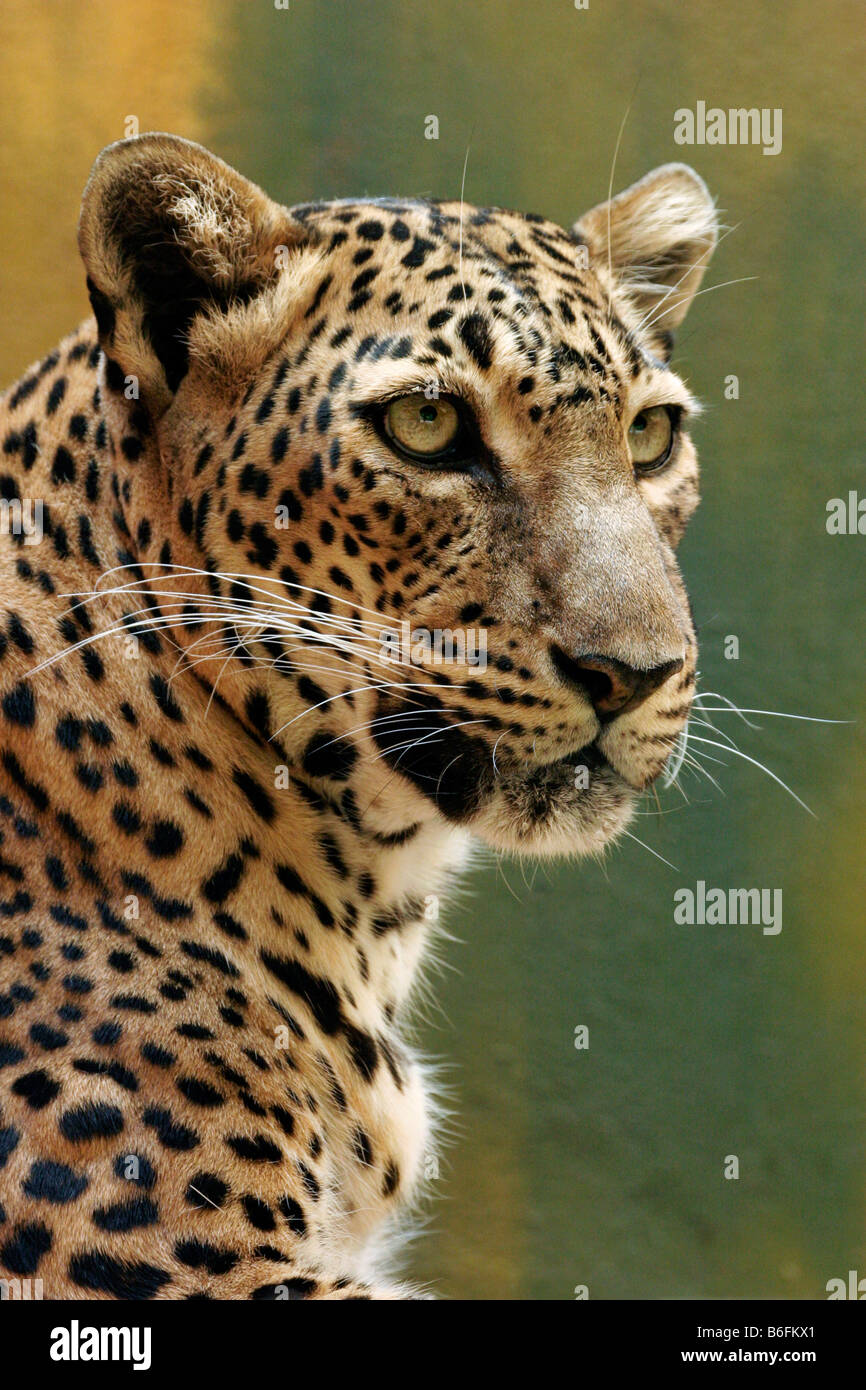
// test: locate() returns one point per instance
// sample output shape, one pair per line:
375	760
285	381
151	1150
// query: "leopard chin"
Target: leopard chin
575	806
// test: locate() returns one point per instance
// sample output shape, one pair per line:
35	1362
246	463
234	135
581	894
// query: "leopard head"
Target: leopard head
417	472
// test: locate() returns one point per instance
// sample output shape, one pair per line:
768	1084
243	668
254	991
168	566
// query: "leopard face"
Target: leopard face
383	425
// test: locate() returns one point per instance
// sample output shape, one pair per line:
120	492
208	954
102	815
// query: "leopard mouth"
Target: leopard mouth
513	804
589	756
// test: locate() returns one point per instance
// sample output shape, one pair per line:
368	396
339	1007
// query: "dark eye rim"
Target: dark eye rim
467	452
675	415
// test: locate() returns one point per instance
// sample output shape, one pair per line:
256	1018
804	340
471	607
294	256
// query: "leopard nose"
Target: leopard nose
611	685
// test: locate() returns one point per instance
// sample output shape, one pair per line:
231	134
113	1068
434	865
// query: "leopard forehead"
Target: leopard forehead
448	296
506	311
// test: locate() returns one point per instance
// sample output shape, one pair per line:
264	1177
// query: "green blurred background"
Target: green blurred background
603	1167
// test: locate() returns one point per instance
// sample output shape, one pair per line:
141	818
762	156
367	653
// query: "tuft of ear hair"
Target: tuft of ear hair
656	238
186	260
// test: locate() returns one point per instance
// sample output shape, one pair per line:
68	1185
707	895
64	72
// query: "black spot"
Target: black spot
279	444
200	1092
362	1050
201	516
260	799
258	711
294	1214
362	1147
77	984
68	732
319	994
121	961
371	230
120	1278
92	1120
171	1134
133	1003
418	252
209	956
143	1173
164	698
57	876
9	1138
125	773
198	1254
284	1118
391	1180
92	664
19	634
258	1213
224	880
323	415
106	1034
206	1191
37	1088
475	335
19	706
230	926
22	1253
257	1149
126	1216
54	1182
165	839
197	1031
326	755
63	467
310	1181
48	1038
90	776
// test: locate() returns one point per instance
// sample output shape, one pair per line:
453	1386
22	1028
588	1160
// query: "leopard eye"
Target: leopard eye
421	427
651	437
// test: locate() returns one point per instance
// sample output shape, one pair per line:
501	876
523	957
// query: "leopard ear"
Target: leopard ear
185	259
657	237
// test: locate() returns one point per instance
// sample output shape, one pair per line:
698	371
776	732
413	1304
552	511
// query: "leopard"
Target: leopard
338	547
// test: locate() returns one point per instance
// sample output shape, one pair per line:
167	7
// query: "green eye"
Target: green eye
420	426
651	437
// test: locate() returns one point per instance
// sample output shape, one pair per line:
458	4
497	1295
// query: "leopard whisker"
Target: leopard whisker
649	849
210	575
438	730
755	763
382	720
648	286
659	312
330	699
731	708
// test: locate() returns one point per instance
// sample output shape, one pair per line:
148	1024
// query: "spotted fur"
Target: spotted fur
225	821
